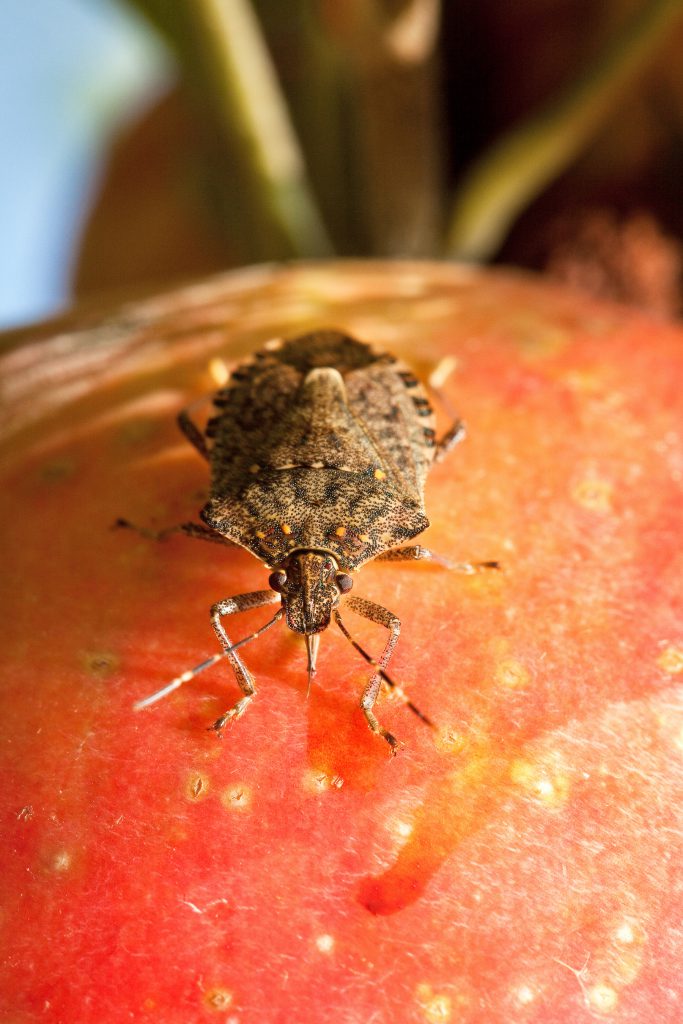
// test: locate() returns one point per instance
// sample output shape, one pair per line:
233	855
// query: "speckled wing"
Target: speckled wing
319	444
397	414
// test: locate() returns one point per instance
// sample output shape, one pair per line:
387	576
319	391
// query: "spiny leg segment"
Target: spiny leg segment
383	617
231	606
228	651
391	683
376	613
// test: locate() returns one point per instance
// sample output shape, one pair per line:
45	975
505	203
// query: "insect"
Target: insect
318	449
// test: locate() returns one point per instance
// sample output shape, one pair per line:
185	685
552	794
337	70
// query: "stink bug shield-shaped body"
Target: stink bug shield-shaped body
319	449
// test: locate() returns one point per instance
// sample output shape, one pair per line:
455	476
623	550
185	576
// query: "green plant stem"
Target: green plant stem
518	167
315	79
252	104
258	170
393	115
362	83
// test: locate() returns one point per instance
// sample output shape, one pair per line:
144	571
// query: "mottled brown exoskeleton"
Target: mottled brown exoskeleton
319	448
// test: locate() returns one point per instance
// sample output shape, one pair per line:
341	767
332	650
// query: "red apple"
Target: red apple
519	862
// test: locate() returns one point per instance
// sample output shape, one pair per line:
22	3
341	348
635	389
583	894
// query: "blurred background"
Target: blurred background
145	142
73	75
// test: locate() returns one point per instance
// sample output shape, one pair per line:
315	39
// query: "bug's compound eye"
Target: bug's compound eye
344	582
277	580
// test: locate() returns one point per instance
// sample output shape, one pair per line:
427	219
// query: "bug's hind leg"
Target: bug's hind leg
245	680
383	617
456	432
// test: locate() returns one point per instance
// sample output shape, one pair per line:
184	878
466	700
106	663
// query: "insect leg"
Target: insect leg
230	606
383	617
391	683
190	673
416	553
454	435
195	530
193	433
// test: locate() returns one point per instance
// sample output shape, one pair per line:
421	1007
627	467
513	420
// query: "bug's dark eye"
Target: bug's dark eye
277	580
344	582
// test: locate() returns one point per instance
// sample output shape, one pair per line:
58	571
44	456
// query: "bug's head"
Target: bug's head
311	584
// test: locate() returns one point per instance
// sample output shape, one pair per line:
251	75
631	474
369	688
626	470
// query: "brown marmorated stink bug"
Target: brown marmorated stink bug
319	449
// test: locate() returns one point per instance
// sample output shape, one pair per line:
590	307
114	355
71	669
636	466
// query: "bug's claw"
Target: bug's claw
379	730
230	716
392	741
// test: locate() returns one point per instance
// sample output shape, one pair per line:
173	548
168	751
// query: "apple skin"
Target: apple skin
521	861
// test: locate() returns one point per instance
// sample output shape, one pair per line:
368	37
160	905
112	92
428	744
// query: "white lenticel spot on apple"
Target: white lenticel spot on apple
237	797
324	943
602	997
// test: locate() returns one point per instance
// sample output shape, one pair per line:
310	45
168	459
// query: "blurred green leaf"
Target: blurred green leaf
519	166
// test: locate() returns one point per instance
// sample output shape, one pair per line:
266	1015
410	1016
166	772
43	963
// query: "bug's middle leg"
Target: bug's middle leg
418	553
192	432
230	606
195	530
454	435
383	617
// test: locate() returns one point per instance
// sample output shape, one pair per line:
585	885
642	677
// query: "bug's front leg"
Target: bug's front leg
417	553
230	606
383	617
